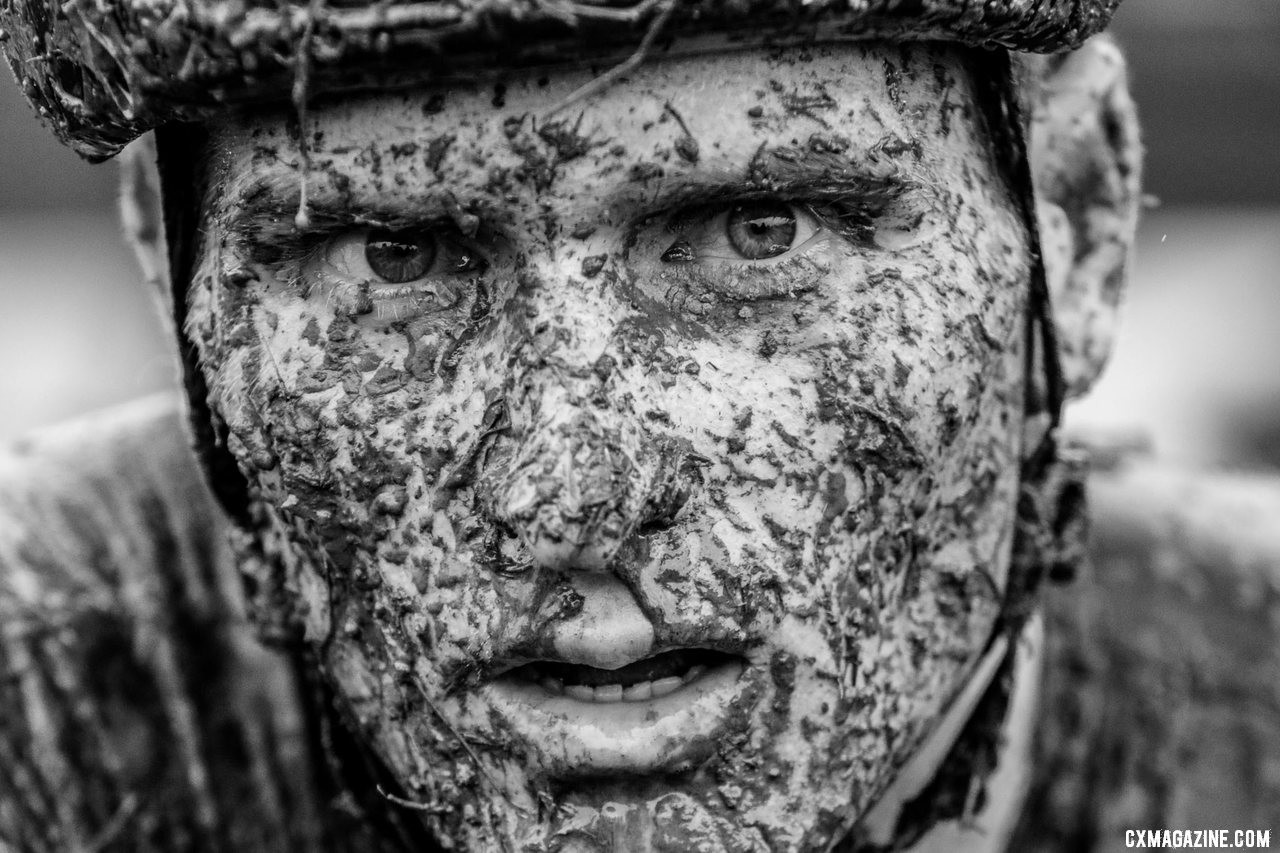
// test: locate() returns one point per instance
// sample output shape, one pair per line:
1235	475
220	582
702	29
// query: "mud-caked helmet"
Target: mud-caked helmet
102	72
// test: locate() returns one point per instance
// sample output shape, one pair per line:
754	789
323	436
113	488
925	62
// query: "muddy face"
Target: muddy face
644	475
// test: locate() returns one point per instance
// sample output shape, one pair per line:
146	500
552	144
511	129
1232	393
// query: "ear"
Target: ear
1086	161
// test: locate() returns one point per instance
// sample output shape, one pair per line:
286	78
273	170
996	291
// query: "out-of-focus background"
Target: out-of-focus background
1197	368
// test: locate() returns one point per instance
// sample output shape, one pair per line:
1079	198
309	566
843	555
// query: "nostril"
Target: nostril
503	551
657	525
661	511
671	493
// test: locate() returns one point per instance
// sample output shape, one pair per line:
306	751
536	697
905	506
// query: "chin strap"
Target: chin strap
880	825
986	829
967	772
179	152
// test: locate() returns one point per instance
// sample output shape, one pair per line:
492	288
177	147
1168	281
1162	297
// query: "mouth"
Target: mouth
650	678
660	714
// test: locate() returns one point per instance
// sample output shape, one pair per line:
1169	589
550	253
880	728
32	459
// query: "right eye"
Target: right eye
382	256
396	274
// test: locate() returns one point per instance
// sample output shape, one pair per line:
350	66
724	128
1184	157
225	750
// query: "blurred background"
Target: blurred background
1197	370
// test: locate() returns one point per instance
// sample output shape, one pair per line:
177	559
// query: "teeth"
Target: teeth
663	686
638	692
580	692
609	693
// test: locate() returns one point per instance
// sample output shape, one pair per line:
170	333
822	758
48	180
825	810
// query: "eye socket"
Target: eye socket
399	256
761	229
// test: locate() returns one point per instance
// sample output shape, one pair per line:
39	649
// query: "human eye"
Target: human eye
749	231
741	250
394	274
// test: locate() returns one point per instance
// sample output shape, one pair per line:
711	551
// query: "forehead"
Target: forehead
512	144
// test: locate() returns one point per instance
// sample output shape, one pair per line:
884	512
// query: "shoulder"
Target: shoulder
105	492
99	519
140	451
1161	700
125	666
107	516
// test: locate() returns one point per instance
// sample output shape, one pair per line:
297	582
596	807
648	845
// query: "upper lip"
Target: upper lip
537	642
609	631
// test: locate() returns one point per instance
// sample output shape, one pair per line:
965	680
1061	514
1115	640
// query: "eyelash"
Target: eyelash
289	253
850	221
690	277
827	211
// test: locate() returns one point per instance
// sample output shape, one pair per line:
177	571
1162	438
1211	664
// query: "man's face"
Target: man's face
645	473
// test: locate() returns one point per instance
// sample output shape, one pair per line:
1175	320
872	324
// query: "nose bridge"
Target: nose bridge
573	490
565	317
557	350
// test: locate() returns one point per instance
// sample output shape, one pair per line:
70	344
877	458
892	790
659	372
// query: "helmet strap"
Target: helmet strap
182	182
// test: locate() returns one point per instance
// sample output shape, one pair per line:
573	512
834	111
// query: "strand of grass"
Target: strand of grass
301	86
622	69
475	758
434	808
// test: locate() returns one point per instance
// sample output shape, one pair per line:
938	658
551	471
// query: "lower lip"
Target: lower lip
672	733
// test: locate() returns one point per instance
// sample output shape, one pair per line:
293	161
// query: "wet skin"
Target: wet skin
587	429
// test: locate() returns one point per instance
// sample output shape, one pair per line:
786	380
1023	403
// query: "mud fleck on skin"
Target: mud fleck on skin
587	454
591	266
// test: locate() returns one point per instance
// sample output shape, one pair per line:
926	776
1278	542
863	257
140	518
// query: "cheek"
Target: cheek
890	394
347	444
871	458
322	387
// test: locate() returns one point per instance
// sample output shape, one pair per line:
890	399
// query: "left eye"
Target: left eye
399	256
752	230
759	230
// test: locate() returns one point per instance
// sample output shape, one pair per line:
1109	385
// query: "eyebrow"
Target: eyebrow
264	202
789	172
268	201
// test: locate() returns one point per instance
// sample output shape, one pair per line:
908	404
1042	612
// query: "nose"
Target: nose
581	473
583	482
